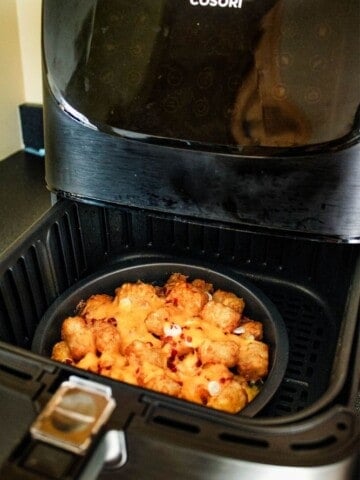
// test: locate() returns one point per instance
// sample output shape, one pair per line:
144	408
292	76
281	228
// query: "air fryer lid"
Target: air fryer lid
224	72
257	307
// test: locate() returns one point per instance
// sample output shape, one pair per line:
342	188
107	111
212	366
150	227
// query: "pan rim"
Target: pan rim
274	325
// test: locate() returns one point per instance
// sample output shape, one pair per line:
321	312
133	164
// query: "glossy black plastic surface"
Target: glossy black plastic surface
258	307
111	140
251	73
316	194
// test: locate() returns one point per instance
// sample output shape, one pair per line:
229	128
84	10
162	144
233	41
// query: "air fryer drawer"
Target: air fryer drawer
314	285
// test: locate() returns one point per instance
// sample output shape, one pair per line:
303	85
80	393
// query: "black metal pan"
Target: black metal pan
257	307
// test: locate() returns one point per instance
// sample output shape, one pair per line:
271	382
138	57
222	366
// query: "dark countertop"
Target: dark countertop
23	195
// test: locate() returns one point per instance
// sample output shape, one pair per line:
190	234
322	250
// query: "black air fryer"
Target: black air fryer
219	134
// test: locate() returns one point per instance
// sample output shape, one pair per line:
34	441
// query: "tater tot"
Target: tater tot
231	398
107	337
108	359
125	373
252	327
226	353
253	360
173	280
216	372
89	362
138	295
199	388
189	366
194	389
78	337
144	352
157	319
175	346
61	352
164	384
202	285
186	295
96	307
224	317
229	300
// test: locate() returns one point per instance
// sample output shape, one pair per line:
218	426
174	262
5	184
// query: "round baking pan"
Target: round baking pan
257	307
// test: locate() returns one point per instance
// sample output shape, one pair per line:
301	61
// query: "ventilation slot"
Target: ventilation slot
14	309
35	275
6	331
176	424
17	373
23	299
161	230
66	250
104	231
312	336
323	443
249	442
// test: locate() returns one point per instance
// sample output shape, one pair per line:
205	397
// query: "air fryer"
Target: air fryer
216	132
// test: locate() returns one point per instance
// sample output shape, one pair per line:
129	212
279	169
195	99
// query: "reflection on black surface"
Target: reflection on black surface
273	73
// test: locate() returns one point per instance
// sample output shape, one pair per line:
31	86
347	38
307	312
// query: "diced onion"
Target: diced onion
214	388
239	330
125	302
172	330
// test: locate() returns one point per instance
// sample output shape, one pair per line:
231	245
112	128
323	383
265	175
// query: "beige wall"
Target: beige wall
20	60
29	21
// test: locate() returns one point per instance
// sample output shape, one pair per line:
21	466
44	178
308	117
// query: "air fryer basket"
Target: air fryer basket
310	283
314	285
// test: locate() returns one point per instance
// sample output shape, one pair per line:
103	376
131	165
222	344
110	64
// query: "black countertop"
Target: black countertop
23	195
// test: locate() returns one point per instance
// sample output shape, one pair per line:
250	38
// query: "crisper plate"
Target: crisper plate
257	307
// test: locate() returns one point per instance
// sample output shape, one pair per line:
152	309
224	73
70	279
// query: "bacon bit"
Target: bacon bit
204	396
175	302
170	361
68	361
189	338
222	380
198	363
112	321
170	364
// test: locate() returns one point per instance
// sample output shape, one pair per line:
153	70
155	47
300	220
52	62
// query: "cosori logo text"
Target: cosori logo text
217	3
